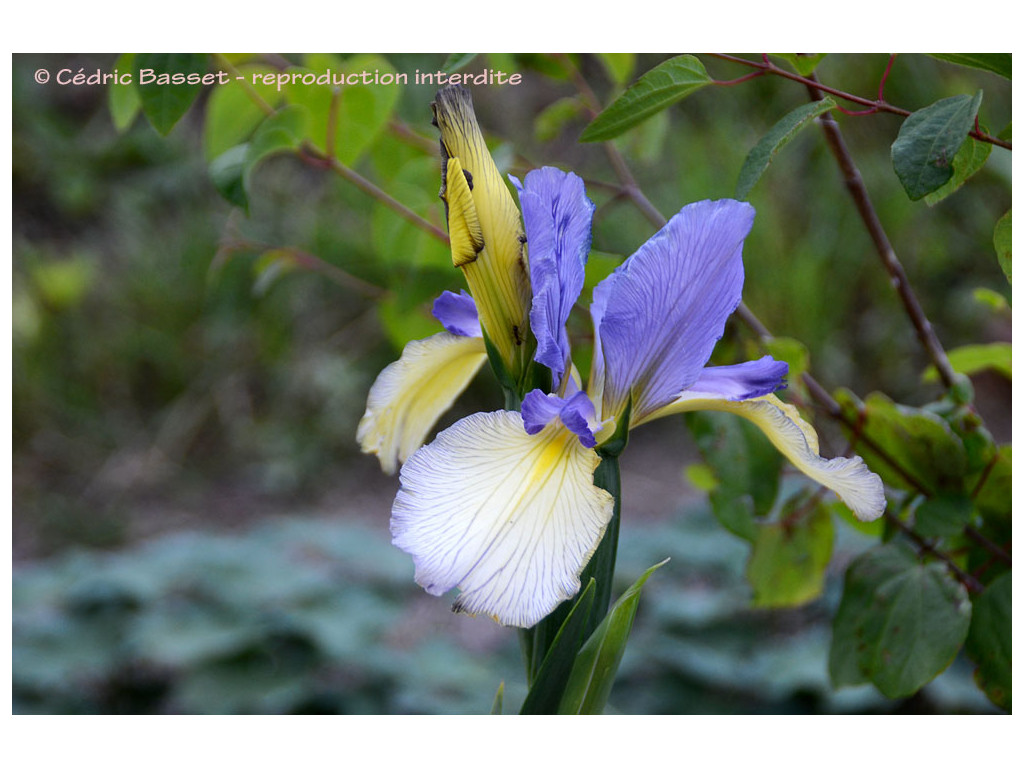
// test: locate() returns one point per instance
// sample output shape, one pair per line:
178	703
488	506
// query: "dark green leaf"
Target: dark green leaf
457	61
499	699
771	143
594	671
1002	239
994	493
550	681
910	448
803	63
788	560
164	103
227	171
899	624
1000	63
123	99
968	161
988	643
746	465
658	89
929	139
942	516
972	358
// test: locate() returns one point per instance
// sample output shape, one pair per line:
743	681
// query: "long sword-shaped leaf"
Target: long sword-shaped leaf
594	671
547	688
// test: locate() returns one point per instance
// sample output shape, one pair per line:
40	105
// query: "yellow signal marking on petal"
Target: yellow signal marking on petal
467	239
509	518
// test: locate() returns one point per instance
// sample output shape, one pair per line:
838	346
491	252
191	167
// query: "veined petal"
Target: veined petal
484	227
743	381
858	487
557	216
509	518
410	395
457	313
657	317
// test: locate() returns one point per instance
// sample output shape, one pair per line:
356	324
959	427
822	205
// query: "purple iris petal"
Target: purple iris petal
576	412
556	216
658	316
744	381
457	313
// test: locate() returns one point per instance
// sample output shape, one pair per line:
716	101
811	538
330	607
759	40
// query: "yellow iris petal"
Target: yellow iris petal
485	229
859	488
410	395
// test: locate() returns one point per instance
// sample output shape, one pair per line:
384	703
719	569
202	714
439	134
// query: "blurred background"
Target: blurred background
194	528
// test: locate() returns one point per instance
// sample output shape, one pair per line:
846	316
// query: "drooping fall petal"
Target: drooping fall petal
509	518
410	395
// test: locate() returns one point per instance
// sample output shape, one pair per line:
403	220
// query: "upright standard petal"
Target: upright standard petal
858	487
410	395
509	518
658	316
557	215
483	224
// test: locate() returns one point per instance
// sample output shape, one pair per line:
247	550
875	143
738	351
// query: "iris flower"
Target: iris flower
503	505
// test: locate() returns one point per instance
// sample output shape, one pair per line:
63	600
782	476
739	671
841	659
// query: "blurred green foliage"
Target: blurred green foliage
179	362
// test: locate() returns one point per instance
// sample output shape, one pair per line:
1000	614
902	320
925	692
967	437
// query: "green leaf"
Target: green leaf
550	681
619	66
232	113
792	352
942	516
993	300
803	63
163	103
593	674
745	464
1003	241
988	642
499	699
1000	63
993	497
232	169
909	448
972	358
788	560
553	118
771	143
457	61
899	624
658	89
227	171
968	161
929	139
123	99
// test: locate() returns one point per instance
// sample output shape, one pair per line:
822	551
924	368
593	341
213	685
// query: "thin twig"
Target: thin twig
877	105
971	583
858	191
315	157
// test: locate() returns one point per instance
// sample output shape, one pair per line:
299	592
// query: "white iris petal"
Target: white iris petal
410	395
509	518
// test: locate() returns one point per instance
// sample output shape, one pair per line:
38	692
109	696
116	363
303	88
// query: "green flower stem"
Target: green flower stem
537	640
